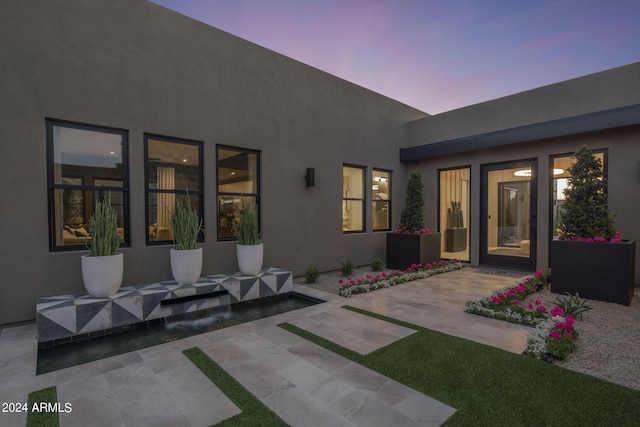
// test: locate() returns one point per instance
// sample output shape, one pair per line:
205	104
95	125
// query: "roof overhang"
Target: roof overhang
607	119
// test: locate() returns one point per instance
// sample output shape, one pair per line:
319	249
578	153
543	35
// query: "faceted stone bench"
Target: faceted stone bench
64	318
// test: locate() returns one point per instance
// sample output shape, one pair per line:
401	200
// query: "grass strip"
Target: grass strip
490	386
254	412
42	418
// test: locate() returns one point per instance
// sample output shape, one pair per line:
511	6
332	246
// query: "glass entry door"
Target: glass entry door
509	214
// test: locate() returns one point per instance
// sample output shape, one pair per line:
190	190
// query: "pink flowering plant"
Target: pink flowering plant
419	231
617	238
554	333
508	303
561	335
351	286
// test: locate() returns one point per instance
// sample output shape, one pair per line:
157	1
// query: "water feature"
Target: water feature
166	330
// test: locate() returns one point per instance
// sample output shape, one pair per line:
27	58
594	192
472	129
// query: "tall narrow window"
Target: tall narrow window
173	174
560	173
454	213
238	174
353	199
381	200
84	163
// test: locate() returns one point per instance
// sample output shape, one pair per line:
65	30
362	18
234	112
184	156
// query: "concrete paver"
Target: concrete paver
303	383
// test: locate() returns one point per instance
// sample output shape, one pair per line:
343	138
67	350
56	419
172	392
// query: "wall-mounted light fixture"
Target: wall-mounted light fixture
310	177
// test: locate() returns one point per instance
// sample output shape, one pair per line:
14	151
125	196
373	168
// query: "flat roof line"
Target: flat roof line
606	119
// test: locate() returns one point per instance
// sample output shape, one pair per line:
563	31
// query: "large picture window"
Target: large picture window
173	174
381	200
353	199
238	172
83	164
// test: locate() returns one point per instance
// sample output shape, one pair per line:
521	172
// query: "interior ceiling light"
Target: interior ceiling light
558	171
184	160
523	172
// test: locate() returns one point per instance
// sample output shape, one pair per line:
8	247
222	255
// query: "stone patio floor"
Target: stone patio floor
303	383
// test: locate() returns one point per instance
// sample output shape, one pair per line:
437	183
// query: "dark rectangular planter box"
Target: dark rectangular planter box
403	250
455	239
598	271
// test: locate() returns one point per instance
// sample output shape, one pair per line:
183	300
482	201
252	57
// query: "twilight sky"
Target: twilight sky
436	55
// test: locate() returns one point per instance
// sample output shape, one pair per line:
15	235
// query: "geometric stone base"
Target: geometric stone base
60	318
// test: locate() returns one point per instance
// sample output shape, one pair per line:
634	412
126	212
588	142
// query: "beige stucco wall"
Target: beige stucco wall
137	66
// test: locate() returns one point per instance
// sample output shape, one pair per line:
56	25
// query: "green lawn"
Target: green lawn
492	387
254	412
44	418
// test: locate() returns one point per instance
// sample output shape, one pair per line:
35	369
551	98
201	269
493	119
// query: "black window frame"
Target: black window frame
256	195
52	186
388	200
200	194
363	200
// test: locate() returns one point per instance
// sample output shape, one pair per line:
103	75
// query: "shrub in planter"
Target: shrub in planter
412	243
185	257
590	258
102	268
249	250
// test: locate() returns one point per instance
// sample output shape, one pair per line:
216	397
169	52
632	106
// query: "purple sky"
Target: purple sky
436	55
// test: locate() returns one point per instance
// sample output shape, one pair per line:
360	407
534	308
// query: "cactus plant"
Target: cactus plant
454	216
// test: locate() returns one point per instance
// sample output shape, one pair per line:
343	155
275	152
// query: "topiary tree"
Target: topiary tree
412	215
585	212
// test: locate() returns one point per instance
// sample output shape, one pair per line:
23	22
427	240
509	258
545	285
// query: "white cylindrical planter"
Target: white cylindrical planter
102	275
250	259
186	265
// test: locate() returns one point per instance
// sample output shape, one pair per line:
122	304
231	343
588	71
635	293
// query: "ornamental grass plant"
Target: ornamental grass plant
186	224
103	227
247	229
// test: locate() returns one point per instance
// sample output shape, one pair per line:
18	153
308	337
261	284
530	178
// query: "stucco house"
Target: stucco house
132	98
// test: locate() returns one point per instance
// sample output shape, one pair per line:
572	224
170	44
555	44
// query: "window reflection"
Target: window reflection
381	200
86	163
173	170
238	186
352	199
